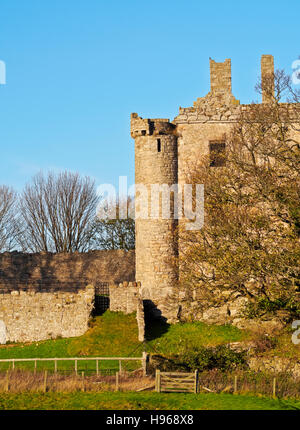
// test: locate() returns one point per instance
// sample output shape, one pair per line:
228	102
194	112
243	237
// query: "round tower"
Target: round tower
156	177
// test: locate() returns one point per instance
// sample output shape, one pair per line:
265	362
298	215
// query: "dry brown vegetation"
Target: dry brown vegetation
250	382
214	381
20	381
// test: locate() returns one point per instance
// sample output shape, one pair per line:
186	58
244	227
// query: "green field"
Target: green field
141	401
116	335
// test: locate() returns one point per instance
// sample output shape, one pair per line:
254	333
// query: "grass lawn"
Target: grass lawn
114	334
110	335
173	338
142	401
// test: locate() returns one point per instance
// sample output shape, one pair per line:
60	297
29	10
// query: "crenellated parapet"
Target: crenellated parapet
150	127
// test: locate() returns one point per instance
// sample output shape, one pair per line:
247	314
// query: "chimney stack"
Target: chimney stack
267	78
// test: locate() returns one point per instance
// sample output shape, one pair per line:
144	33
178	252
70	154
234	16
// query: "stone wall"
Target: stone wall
64	271
32	316
126	297
47	295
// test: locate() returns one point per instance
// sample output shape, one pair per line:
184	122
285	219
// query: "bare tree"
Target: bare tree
114	233
57	213
8	219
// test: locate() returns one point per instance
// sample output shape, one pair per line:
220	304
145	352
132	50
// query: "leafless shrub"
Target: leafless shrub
117	232
8	218
57	212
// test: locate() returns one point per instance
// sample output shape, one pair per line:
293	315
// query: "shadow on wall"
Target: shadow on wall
155	324
64	271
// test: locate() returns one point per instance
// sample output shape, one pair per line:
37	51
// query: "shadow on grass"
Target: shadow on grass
155	324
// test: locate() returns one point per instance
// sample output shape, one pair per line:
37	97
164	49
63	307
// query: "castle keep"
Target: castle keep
163	151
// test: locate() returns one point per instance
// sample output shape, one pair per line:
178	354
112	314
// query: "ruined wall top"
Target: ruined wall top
64	271
220	94
267	77
149	127
219	105
220	76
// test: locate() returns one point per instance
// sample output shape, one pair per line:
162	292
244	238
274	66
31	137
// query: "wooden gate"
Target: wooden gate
176	382
101	298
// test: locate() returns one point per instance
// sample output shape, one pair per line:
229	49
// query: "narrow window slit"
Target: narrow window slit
158	145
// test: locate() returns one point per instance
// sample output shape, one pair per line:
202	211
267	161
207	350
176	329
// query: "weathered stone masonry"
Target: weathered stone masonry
164	153
48	295
126	297
32	315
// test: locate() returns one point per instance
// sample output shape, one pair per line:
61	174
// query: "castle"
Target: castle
162	150
46	295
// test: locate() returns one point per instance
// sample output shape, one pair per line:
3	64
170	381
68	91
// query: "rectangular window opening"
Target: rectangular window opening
217	153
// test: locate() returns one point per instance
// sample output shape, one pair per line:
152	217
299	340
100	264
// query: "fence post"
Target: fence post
196	381
34	366
7	381
76	367
235	384
82	377
97	367
55	366
144	363
45	381
274	388
117	381
158	380
120	367
13	364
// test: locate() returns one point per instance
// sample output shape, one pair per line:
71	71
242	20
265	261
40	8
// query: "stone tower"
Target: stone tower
156	169
164	153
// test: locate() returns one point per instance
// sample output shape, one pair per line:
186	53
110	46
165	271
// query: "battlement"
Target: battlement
150	126
220	76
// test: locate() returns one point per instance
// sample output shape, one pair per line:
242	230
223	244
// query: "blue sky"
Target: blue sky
77	69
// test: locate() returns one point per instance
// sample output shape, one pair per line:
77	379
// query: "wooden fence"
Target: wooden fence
176	382
180	382
55	360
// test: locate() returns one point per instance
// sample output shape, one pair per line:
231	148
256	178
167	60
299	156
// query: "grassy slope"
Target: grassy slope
110	335
146	401
175	337
115	334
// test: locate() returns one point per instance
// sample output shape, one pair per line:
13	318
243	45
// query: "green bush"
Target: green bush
221	357
201	358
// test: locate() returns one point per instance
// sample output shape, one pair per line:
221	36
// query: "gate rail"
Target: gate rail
76	359
176	382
